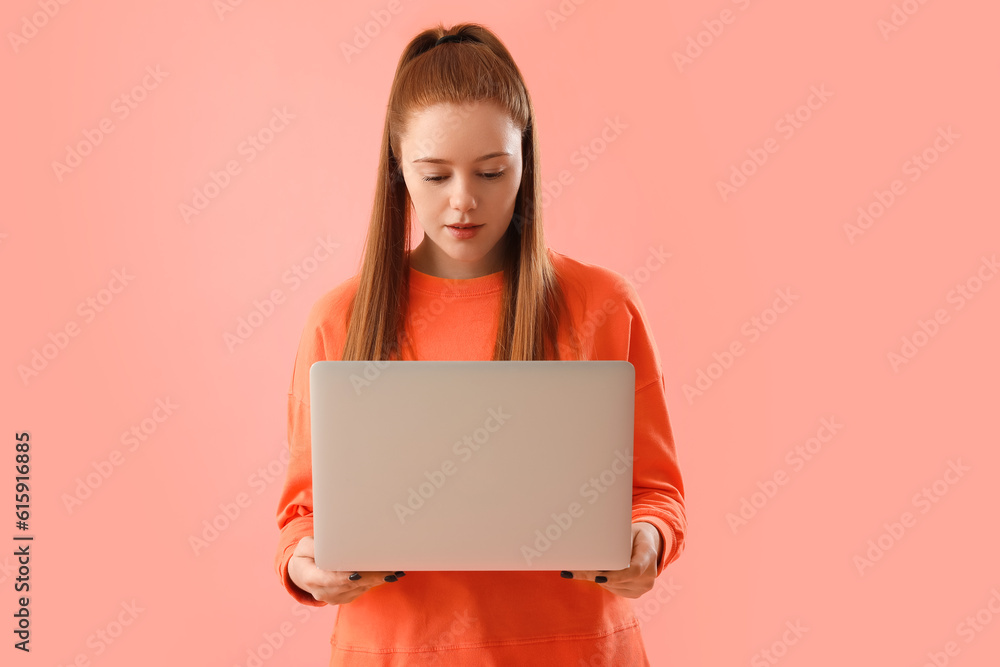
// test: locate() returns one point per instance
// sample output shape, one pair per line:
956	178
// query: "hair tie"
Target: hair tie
451	38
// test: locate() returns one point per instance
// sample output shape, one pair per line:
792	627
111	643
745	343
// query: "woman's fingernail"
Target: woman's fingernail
600	579
400	573
390	577
354	576
566	575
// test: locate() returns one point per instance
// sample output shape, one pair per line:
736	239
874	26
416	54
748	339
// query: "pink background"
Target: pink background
685	128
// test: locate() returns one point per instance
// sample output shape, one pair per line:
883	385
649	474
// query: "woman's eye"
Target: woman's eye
491	176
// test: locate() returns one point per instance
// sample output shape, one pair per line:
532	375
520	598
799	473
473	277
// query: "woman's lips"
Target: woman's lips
466	232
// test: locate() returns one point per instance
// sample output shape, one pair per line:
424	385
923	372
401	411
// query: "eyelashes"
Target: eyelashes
491	176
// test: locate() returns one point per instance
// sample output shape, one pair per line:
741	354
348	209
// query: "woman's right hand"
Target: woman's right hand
327	585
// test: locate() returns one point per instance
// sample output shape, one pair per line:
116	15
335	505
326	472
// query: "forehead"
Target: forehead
459	131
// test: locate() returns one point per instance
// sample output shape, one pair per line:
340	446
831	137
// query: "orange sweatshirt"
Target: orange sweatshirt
493	618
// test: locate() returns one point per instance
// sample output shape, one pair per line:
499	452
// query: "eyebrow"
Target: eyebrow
438	160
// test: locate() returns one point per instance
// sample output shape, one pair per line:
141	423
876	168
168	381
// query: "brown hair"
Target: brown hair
477	69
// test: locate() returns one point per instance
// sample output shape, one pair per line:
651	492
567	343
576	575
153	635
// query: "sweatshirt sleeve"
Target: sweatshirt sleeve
657	487
295	506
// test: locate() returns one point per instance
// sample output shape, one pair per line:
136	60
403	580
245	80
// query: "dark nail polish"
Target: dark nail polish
391	577
400	573
354	577
600	579
566	575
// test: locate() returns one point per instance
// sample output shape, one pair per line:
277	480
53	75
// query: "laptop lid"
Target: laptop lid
472	465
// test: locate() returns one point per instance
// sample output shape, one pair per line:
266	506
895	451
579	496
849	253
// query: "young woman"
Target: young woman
459	150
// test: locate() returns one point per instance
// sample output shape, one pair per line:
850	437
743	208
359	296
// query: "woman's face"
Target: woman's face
461	165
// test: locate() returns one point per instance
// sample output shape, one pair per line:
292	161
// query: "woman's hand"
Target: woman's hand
326	585
640	576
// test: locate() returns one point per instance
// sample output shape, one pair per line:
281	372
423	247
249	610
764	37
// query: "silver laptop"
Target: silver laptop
472	465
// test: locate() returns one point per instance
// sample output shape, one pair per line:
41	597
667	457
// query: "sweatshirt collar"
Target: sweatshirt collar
487	284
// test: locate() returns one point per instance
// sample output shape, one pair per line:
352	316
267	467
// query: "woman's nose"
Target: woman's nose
462	196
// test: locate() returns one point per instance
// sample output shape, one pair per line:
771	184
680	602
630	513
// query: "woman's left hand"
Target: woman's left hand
640	575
